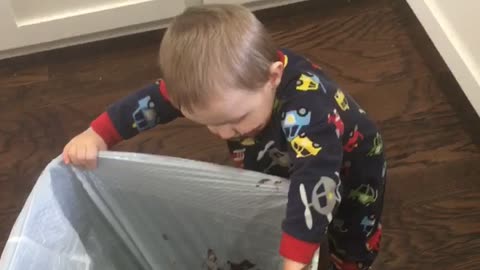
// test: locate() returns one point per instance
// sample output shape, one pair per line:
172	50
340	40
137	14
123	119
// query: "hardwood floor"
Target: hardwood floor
371	47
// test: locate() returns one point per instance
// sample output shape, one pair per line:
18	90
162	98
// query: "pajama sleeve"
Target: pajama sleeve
313	129
137	112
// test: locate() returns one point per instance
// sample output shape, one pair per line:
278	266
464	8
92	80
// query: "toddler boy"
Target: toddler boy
279	113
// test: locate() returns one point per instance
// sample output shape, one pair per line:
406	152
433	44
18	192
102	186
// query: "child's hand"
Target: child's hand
83	149
292	265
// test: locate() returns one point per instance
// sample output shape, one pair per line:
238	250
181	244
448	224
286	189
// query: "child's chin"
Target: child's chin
254	132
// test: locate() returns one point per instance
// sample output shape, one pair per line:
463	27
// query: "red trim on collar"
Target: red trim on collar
163	90
281	56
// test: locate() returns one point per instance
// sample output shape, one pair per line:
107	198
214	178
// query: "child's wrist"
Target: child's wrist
104	128
292	265
297	250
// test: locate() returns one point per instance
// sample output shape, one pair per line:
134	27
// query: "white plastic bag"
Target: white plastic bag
149	212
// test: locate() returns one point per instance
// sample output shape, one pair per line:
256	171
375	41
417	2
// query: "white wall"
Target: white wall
454	27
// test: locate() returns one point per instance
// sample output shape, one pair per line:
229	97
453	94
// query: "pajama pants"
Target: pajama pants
355	232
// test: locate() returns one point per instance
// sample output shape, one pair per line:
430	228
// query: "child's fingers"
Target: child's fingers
91	157
72	153
82	155
65	154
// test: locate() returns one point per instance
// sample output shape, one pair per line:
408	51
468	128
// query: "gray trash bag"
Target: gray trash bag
141	211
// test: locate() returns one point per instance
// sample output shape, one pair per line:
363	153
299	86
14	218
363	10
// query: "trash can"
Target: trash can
140	211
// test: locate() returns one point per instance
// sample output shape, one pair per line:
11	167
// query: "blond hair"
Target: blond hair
211	47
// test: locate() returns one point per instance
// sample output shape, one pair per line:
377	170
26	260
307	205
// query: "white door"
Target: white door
30	22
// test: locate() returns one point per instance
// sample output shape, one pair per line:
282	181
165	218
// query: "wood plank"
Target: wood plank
432	218
446	80
366	46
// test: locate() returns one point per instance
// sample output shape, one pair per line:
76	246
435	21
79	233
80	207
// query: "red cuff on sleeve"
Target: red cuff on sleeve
297	250
103	126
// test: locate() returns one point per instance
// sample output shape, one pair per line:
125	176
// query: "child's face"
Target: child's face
238	113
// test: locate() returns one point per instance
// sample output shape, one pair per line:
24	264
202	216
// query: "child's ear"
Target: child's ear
276	72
